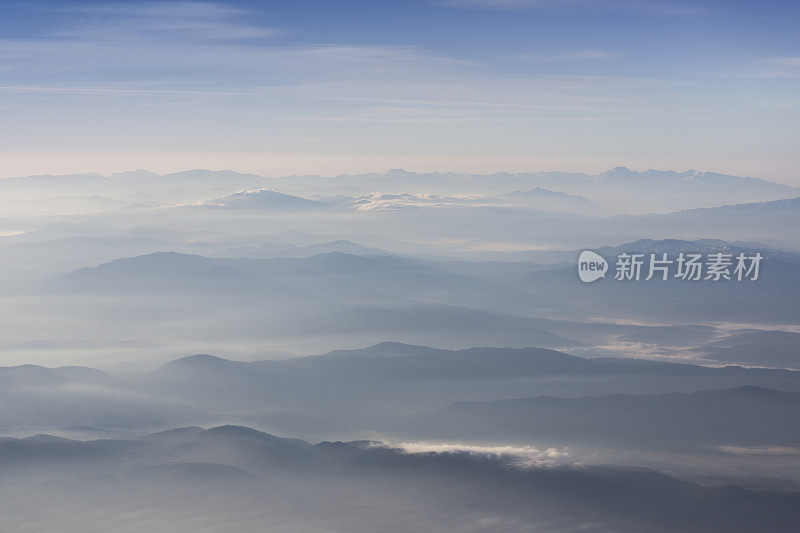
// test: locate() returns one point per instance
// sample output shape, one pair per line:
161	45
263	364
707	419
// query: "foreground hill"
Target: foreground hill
194	479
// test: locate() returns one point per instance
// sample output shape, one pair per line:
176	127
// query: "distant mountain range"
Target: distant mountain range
690	178
620	189
653	190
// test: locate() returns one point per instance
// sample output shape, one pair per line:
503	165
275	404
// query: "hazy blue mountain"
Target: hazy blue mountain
333	277
559	231
744	416
214	382
622	189
137	174
178	186
210	178
786	205
258	249
352	388
158	272
350	299
35	397
539	198
173	265
470	326
406	362
397	359
59	248
539	192
60	205
28	375
77	228
756	347
775	296
53	256
675	246
344	246
691	179
337	278
52	183
661	190
264	199
745	221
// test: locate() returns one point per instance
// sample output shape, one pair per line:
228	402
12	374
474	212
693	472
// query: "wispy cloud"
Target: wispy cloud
164	67
666	7
567	56
760	450
522	455
186	9
780	67
789	62
113	91
380	54
202	21
504	4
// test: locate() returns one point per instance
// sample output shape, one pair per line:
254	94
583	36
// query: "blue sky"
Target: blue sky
345	86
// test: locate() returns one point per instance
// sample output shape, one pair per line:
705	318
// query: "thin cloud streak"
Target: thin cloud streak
669	8
202	21
562	57
100	65
520	455
107	90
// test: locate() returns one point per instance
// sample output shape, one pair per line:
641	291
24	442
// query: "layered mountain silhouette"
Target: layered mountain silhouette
377	387
204	475
436	430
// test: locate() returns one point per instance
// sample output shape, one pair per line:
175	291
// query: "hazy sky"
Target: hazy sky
329	86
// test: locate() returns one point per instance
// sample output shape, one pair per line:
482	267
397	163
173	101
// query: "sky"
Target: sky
329	87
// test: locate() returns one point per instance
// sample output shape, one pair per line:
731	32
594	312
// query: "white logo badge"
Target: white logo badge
591	266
